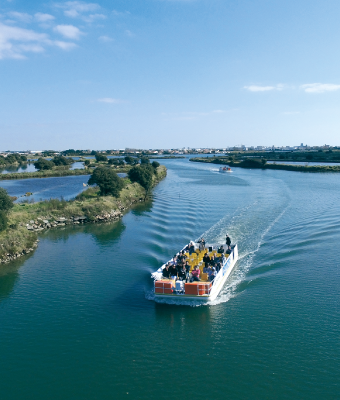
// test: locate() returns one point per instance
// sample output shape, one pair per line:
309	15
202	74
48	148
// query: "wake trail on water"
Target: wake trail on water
247	226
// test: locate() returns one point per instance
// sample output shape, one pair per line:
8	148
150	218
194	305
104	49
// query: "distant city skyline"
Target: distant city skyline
168	73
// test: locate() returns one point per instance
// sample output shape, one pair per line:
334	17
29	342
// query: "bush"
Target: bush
144	160
253	163
155	164
43	164
87	163
100	157
129	160
143	175
108	181
61	160
5	201
5	205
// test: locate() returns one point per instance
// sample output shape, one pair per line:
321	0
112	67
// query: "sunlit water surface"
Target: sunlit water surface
78	320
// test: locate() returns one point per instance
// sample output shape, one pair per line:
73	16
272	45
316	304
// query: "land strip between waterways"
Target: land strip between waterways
253	163
54	173
27	220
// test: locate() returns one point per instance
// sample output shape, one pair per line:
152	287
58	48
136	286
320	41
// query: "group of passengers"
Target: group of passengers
179	269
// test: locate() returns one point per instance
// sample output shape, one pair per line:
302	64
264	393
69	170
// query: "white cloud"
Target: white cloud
105	39
119	13
15	42
320	87
256	88
110	100
68	31
23	17
93	17
65	45
75	9
41	17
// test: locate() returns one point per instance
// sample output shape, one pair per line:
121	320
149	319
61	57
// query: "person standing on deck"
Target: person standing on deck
227	240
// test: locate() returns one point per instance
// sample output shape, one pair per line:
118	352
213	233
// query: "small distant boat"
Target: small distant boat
225	169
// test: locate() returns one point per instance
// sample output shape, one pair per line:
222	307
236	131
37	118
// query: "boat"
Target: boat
225	169
203	290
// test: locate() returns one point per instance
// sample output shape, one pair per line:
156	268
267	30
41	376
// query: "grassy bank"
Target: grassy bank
251	163
17	240
53	173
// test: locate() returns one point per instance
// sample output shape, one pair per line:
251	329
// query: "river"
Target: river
78	319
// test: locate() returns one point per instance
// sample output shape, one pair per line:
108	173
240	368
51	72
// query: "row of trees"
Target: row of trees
57	161
12	159
100	157
109	182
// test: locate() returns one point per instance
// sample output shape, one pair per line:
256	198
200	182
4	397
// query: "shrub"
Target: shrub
100	157
108	181
43	164
143	175
61	160
144	160
5	205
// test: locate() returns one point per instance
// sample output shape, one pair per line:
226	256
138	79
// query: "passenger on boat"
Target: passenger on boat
173	271
212	274
166	272
206	268
182	274
195	274
187	268
181	257
191	248
220	250
228	251
218	267
206	259
201	244
212	261
227	240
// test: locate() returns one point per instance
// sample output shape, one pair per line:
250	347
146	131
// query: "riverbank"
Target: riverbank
54	173
27	220
256	163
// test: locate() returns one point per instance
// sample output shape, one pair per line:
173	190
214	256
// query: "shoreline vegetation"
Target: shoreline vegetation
54	173
251	163
26	220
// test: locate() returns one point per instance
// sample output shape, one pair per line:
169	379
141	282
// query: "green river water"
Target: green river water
78	319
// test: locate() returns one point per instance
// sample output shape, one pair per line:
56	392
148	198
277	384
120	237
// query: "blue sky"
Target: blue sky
168	73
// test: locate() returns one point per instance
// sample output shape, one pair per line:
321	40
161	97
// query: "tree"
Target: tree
155	164
108	181
5	205
143	175
100	157
61	160
129	160
144	160
43	164
87	163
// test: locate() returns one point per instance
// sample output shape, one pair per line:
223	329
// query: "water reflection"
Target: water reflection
8	277
141	208
106	233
